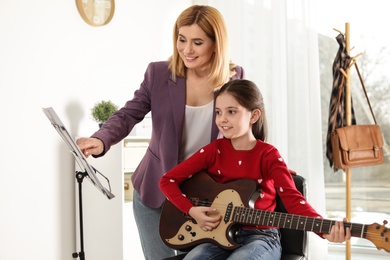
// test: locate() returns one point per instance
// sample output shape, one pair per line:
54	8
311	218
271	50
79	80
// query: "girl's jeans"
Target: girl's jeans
256	244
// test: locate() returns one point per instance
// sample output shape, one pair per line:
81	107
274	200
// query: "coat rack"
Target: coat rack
348	117
348	110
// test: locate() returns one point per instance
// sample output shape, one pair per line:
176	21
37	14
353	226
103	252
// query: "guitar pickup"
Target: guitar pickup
229	209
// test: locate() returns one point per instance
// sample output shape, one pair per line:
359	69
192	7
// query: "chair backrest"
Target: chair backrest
294	242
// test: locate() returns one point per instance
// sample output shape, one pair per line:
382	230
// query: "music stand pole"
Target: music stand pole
80	176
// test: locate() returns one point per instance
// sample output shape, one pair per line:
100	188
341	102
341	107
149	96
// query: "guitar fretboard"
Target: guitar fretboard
255	217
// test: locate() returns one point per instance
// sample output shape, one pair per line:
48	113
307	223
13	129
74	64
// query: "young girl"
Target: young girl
242	153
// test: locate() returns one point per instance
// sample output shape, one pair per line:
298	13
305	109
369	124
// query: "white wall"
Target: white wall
50	57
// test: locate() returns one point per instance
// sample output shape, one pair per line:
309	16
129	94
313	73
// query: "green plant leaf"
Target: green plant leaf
103	110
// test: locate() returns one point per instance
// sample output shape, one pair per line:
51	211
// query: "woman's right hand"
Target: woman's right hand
90	146
207	218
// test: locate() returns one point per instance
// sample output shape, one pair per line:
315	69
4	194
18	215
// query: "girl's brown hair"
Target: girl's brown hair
249	96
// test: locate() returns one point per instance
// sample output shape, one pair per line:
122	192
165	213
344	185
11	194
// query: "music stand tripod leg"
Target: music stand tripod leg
80	176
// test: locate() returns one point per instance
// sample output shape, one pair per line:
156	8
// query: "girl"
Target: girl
242	153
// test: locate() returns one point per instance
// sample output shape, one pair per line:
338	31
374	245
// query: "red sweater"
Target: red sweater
262	164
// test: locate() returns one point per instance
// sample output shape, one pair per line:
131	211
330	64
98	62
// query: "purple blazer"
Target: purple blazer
165	98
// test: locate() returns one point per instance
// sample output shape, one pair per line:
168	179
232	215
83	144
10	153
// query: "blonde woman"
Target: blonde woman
179	93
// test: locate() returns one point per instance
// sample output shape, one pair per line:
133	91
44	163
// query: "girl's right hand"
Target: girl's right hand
207	218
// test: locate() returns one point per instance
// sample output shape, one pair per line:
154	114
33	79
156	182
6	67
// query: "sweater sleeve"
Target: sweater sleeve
170	182
293	200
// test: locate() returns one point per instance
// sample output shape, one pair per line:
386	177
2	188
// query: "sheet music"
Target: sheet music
81	160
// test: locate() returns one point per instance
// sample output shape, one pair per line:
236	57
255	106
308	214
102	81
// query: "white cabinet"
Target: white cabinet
109	227
134	149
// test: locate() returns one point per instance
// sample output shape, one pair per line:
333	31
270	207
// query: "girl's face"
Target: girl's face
194	47
232	119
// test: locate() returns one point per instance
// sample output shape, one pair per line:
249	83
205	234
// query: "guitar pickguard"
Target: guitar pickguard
190	231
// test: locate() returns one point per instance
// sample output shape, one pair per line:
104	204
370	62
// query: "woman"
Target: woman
241	154
179	93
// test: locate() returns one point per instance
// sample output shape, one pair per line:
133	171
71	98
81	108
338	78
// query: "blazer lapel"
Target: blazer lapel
214	128
177	93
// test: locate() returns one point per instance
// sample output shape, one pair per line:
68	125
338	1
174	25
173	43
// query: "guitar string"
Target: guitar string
374	235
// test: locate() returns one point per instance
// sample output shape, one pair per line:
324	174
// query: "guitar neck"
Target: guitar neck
255	217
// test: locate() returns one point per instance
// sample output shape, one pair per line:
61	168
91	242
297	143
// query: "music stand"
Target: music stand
87	170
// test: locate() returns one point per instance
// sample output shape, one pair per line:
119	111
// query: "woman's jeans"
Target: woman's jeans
148	223
256	244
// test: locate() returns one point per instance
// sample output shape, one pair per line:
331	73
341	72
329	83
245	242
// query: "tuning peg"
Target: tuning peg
385	222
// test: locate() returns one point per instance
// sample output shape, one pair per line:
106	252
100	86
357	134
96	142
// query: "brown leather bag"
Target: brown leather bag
358	145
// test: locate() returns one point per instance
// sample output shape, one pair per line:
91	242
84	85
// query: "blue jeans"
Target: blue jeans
148	223
256	244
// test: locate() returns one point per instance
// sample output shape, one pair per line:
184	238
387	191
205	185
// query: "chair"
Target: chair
294	242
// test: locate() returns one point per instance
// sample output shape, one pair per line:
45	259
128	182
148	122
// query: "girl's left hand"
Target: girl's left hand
338	234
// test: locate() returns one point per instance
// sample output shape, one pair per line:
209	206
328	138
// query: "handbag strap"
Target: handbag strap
365	92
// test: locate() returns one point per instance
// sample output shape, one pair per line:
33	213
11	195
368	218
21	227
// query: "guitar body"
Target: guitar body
180	232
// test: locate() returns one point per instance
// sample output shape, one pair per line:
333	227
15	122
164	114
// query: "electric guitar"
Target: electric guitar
233	200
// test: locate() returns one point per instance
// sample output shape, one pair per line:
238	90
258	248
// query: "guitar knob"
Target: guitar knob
188	228
180	237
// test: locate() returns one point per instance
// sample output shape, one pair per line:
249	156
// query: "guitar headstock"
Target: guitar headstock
379	235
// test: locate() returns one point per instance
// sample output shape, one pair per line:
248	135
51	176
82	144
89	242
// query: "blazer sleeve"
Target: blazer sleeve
120	124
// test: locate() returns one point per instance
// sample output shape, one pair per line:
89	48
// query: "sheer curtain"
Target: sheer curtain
276	43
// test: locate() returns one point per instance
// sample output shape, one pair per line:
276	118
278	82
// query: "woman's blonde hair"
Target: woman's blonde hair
212	23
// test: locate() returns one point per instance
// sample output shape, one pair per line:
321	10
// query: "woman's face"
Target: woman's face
194	46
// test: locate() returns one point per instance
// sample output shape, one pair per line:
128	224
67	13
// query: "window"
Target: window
369	199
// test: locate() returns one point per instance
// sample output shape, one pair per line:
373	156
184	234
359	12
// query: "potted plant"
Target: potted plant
102	110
